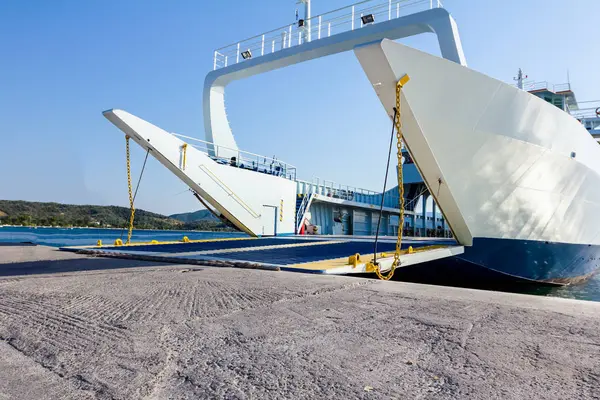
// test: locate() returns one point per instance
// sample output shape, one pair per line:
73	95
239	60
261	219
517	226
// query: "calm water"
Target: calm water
59	237
89	236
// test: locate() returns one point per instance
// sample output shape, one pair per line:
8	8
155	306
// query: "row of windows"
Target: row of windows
557	101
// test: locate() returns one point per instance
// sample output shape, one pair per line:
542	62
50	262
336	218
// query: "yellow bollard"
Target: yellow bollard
185	239
99	243
354	260
118	242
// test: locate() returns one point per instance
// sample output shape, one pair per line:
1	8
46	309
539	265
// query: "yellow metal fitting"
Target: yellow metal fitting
354	260
370	267
411	250
186	239
118	242
281	210
154	242
184	149
403	80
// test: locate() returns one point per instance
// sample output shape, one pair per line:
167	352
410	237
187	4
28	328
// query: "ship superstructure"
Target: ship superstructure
512	177
240	185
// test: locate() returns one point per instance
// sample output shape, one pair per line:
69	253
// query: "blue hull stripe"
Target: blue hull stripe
534	260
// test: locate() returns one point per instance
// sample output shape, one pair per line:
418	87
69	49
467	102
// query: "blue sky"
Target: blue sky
64	62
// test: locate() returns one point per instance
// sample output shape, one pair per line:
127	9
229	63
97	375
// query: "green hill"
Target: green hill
200	215
17	212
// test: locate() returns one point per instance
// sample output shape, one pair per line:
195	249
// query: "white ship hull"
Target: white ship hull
517	179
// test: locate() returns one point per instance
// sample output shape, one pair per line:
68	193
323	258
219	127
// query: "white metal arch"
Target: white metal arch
437	21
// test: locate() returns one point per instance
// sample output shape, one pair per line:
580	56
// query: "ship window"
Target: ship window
548	99
558	102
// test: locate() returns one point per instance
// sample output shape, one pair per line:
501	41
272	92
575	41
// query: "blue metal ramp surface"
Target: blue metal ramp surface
301	254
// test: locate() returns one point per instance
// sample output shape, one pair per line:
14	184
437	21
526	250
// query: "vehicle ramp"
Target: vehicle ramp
320	255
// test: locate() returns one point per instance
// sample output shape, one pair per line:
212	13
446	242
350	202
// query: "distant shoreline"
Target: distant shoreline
40	215
113	229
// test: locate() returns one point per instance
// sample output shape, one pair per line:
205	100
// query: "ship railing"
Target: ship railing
561	87
243	159
321	26
544	85
590	110
344	192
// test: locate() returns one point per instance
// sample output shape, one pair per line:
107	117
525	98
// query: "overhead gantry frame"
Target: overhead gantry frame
216	125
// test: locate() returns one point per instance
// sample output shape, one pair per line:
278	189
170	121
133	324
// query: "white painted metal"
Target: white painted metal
405	260
498	160
304	209
353	204
268	220
247	159
307	19
340	18
216	124
319	34
237	193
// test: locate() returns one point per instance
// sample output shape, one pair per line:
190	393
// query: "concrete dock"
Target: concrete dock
79	327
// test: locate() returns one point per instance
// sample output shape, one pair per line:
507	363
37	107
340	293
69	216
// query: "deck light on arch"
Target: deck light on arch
367	19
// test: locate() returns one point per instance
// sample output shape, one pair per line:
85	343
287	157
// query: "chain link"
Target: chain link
398	123
132	208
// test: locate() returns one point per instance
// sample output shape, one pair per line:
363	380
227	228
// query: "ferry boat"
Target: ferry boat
513	171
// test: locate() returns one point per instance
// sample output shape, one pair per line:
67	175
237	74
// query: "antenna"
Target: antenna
520	78
306	19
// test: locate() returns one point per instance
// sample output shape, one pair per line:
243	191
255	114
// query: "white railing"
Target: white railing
345	192
561	87
322	186
302	211
243	159
534	86
325	25
590	110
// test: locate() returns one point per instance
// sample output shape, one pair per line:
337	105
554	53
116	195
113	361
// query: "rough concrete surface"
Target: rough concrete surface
125	330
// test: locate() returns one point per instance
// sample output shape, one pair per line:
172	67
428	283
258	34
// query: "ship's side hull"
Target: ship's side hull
516	178
560	263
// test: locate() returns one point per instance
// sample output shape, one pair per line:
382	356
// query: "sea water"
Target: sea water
59	237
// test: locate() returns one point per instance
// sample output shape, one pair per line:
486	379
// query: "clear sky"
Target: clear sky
63	62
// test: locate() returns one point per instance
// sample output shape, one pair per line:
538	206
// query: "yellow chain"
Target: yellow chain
132	216
398	123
